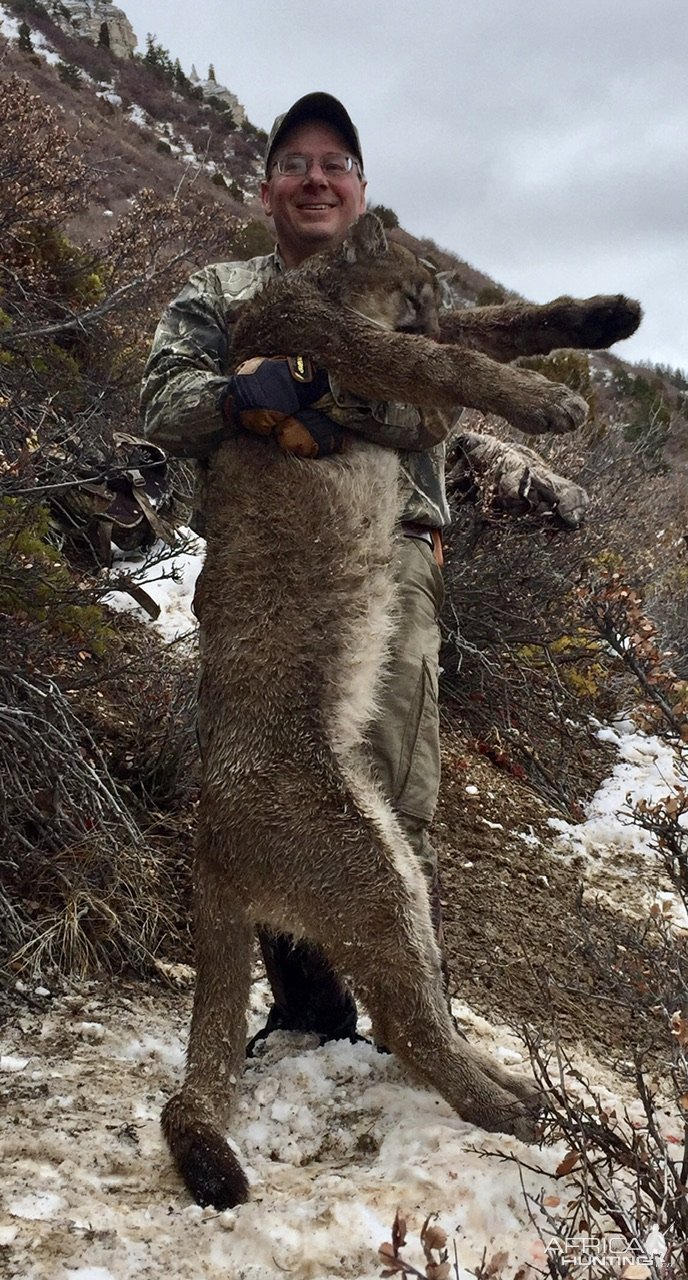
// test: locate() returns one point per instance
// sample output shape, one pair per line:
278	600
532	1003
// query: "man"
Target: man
314	189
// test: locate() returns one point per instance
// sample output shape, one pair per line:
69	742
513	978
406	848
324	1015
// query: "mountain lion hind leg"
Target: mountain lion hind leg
370	912
194	1119
387	943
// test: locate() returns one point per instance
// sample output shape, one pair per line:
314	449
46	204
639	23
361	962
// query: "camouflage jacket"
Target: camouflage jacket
190	362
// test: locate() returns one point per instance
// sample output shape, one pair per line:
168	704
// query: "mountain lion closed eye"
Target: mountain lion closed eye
298	610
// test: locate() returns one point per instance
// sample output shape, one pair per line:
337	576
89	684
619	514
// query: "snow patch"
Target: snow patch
137	115
9	1063
47	52
171	585
36	1207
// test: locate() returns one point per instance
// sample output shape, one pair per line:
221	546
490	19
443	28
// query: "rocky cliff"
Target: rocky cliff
211	89
96	20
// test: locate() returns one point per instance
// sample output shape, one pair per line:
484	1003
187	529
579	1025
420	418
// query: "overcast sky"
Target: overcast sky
544	142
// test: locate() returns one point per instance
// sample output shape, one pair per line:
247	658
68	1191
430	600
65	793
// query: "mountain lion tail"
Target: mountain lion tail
204	1159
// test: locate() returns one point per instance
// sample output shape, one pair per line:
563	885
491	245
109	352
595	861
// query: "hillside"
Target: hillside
118	178
565	680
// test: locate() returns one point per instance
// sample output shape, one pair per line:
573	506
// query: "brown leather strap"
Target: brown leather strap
425	533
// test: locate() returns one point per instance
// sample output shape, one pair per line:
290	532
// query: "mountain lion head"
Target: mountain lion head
380	280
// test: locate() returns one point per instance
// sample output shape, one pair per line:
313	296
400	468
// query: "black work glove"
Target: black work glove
278	396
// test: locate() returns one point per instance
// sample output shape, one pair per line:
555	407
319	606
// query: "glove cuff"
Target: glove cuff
225	404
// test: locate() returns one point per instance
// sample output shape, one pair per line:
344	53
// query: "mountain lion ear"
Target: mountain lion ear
366	239
444	281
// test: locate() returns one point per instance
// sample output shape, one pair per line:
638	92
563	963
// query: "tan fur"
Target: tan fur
369	280
297	613
520	329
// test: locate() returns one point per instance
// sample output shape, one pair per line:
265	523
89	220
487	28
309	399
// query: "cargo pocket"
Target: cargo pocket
418	778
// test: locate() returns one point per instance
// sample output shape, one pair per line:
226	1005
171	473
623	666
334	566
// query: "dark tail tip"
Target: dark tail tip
207	1164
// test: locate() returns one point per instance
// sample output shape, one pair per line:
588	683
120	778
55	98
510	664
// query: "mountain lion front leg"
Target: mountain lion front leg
416	370
195	1118
383	365
524	329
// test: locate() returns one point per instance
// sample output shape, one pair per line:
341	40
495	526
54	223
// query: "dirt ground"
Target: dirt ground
534	936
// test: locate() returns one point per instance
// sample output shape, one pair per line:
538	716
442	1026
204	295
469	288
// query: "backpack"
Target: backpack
126	499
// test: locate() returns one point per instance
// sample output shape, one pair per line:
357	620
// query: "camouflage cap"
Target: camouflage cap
316	106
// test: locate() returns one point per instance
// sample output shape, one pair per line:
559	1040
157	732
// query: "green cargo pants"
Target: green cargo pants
405	749
405	737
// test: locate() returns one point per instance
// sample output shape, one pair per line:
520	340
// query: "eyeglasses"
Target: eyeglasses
334	165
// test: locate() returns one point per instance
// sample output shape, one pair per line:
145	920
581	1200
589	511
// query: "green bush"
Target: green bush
70	74
221	108
36	583
252	131
24	41
648	428
253	239
571	367
490	296
158	60
387	216
29	6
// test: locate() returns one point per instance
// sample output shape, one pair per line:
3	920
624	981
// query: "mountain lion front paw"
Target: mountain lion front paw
548	407
593	322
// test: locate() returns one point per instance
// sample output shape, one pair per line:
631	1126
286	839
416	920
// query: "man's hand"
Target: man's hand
279	397
521	479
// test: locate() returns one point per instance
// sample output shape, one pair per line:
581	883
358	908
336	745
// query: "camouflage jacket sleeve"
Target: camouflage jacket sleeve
190	361
187	370
424	489
396	426
419	436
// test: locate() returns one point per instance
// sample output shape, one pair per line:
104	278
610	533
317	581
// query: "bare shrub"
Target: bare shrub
525	660
518	660
626	1166
615	610
82	886
433	1240
624	1210
98	746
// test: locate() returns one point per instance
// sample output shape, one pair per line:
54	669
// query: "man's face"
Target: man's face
312	212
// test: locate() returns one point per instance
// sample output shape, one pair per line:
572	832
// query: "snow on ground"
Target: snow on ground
108	95
137	115
9	25
334	1140
615	851
45	49
646	770
171	585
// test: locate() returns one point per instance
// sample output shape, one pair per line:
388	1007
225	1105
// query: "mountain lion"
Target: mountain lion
297	613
